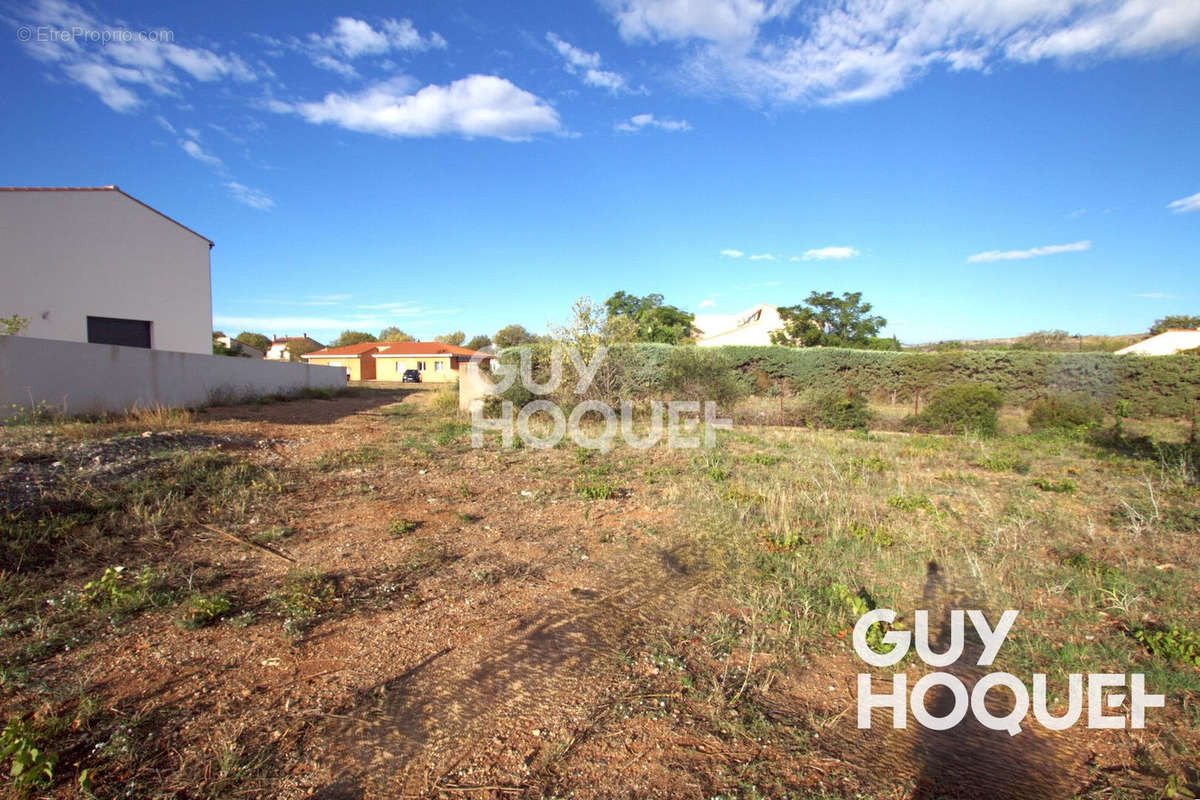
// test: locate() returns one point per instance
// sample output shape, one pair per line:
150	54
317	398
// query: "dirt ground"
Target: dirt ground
470	625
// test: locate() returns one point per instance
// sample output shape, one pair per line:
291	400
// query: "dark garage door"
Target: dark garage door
126	332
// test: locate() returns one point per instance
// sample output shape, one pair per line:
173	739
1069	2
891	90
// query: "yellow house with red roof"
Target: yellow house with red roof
435	362
355	358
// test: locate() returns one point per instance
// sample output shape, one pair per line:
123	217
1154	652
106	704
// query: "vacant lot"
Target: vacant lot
341	598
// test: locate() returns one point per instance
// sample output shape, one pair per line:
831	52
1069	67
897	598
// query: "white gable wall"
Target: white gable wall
65	255
1164	344
737	329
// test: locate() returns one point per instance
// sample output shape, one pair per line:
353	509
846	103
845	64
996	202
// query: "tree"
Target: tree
255	340
825	319
587	328
218	334
1175	321
648	319
455	338
479	342
394	334
352	337
221	349
511	336
298	347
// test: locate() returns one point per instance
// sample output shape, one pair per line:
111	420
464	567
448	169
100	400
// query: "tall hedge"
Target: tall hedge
1152	385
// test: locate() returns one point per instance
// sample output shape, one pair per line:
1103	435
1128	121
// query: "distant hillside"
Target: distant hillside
1043	341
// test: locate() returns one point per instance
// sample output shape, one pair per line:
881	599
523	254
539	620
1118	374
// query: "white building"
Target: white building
279	351
97	265
1167	343
753	326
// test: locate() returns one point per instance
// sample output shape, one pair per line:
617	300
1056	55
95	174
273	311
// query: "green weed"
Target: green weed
1173	644
1065	486
30	766
401	526
203	610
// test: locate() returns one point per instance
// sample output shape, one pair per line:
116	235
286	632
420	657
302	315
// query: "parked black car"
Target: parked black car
411	376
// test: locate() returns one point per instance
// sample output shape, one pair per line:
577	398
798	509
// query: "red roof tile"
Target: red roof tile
396	349
349	350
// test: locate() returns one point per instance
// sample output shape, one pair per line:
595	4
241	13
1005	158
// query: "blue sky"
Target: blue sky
974	169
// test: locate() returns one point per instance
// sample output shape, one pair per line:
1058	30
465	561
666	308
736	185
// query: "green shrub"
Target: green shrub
699	373
1065	486
960	408
401	526
1160	386
1173	644
839	410
910	502
593	487
29	764
1065	412
203	610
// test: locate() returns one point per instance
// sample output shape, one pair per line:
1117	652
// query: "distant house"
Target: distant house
434	361
356	359
278	351
388	361
753	326
239	347
97	265
1166	343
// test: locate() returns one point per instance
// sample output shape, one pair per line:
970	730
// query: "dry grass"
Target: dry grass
632	622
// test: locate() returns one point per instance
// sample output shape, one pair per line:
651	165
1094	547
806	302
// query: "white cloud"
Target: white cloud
1033	252
103	58
353	38
763	257
193	149
574	56
732	253
477	105
1185	204
707	303
294	325
641	121
1155	295
604	79
326	61
586	65
714	20
254	198
836	253
840	51
105	81
404	308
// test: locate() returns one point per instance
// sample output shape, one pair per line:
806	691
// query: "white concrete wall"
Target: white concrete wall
65	255
81	378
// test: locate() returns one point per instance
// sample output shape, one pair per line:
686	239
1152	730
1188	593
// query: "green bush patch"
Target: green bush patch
1065	486
1173	644
960	408
203	610
1065	412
